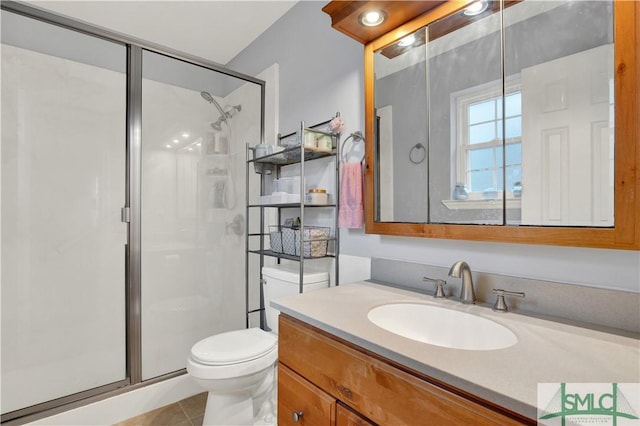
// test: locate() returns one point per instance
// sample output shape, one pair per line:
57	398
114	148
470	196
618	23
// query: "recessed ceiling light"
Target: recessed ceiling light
185	135
168	146
407	41
176	141
476	8
372	18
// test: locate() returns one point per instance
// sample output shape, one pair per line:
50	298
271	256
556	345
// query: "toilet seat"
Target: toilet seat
233	354
234	347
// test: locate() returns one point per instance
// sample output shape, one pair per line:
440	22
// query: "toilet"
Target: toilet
238	368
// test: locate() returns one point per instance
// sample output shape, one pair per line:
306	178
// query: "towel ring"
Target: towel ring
417	148
357	137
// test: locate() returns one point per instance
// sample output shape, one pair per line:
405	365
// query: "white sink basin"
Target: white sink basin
442	327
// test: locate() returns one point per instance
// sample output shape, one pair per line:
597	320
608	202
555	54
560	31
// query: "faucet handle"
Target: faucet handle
439	293
501	305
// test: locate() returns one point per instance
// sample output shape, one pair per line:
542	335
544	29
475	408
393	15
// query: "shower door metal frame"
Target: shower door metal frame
131	211
133	205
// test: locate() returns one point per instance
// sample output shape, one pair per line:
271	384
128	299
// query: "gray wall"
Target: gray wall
320	73
320	69
406	92
32	34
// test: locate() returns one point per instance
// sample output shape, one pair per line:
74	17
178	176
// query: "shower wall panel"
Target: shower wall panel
63	183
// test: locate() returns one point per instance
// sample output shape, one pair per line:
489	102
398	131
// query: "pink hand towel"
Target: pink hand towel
351	214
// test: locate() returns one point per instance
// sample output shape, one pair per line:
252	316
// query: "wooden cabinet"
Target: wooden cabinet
301	403
372	387
347	417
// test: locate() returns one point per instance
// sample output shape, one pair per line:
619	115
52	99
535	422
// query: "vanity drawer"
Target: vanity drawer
347	417
296	395
374	388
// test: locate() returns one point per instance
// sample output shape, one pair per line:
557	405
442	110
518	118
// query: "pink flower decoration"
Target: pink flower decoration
336	125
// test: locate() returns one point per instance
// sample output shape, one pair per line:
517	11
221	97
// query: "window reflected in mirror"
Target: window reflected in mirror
515	117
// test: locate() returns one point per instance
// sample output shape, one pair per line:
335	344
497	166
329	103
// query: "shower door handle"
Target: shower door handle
125	215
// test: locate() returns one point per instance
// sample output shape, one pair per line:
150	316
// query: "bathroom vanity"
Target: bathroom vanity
337	367
333	382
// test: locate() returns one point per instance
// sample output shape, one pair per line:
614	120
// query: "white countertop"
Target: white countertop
546	351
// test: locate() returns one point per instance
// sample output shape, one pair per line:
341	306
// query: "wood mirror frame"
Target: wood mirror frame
626	231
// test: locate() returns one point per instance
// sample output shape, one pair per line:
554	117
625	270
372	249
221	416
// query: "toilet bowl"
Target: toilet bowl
238	368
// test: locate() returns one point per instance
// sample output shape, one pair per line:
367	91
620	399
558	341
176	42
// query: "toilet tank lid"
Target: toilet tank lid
291	273
233	347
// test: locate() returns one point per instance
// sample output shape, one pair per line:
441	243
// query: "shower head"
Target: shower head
217	126
225	114
207	96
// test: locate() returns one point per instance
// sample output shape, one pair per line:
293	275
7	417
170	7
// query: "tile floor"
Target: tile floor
188	412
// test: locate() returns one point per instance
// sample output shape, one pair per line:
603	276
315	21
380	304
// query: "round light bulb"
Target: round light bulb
372	18
407	41
476	8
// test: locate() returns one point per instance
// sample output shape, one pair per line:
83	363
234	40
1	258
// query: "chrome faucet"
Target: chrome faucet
461	269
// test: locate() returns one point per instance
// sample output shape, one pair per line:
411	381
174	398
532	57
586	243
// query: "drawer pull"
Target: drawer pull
297	416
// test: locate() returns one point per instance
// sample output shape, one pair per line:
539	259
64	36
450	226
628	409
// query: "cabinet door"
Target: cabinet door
347	417
301	403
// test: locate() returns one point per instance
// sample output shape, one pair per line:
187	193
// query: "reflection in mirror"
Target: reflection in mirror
549	162
465	98
402	123
560	57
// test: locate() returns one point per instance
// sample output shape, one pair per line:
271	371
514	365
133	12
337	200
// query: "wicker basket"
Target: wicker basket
313	239
275	239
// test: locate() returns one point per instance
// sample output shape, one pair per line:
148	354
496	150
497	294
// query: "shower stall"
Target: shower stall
122	199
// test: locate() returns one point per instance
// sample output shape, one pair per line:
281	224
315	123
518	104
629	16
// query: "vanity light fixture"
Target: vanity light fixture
407	41
476	8
372	18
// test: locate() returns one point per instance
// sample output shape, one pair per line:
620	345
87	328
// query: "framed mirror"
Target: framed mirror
516	121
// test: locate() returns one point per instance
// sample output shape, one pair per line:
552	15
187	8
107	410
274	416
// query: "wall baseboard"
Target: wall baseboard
126	405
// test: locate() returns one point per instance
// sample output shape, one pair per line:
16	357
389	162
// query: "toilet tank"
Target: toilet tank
283	280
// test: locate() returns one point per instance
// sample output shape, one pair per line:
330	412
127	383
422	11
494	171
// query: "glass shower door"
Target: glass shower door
63	184
195	123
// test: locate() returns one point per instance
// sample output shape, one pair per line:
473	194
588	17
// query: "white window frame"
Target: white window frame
460	102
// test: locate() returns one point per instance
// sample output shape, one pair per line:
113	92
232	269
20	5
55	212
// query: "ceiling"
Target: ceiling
216	30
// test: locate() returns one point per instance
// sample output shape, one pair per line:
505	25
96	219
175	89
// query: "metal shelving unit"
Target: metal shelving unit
296	155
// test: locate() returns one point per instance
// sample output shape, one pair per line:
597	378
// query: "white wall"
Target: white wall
321	72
